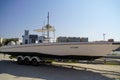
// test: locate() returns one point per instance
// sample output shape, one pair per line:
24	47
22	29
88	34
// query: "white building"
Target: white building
32	38
72	39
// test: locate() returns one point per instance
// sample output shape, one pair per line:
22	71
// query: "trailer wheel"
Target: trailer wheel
26	61
35	62
19	60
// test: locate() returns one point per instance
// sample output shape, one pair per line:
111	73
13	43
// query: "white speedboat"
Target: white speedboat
67	50
71	50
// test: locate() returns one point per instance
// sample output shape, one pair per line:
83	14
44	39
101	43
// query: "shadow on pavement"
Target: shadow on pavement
48	72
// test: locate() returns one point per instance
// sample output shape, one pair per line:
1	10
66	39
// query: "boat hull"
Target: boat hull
62	50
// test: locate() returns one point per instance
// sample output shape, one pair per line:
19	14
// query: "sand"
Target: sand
10	70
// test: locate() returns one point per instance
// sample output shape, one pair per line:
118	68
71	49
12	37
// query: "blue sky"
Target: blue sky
74	18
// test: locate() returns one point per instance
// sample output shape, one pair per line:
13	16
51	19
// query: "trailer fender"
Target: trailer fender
28	57
20	57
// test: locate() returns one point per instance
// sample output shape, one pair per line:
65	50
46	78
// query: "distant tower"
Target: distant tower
46	30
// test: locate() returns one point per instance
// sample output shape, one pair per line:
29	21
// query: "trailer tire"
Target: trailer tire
35	62
27	60
20	60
